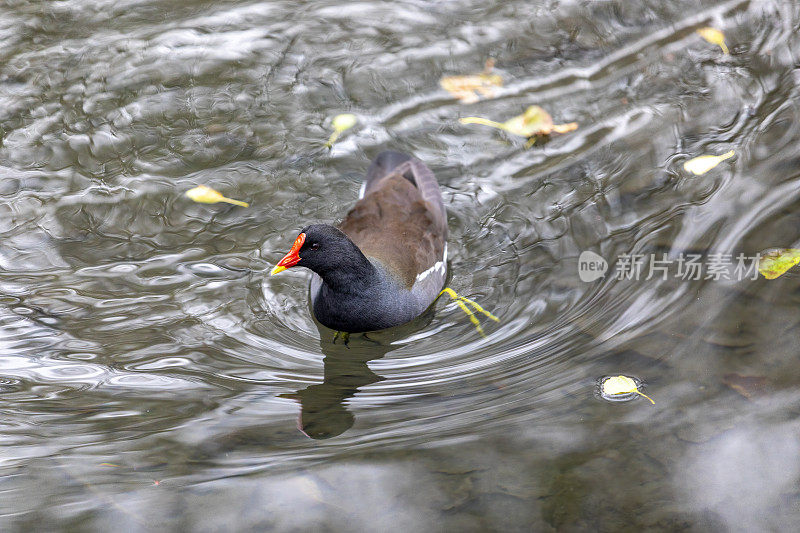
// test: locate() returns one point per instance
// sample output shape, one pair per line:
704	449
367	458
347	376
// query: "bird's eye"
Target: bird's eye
315	246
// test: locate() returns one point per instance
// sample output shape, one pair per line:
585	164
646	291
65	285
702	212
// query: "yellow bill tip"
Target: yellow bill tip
277	270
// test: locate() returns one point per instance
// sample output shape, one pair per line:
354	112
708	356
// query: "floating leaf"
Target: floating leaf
773	263
714	36
616	385
468	88
537	121
533	122
704	163
207	195
341	123
747	386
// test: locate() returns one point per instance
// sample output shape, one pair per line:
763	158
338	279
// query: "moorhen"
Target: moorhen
386	262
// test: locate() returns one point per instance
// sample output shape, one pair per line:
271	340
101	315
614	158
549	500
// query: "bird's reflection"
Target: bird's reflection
323	409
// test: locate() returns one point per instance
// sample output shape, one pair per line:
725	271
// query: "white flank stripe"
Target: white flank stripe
438	266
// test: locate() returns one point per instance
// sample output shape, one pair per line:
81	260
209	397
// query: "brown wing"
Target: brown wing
397	225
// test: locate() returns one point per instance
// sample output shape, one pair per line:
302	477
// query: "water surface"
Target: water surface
154	378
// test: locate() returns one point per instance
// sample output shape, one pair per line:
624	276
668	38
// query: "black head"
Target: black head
327	251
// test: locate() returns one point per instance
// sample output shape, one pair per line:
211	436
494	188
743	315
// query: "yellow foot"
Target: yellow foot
460	302
345	337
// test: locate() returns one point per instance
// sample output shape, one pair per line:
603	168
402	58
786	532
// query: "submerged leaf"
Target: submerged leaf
773	263
622	385
747	386
714	36
207	195
468	88
310	488
341	123
702	164
533	122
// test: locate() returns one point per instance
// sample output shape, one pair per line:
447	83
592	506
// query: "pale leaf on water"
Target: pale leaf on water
533	122
774	263
470	88
622	385
714	36
207	195
702	164
341	123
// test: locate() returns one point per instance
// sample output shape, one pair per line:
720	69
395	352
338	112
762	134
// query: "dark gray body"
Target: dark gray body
379	306
386	295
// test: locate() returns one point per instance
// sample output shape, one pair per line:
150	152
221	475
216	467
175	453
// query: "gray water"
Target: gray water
153	377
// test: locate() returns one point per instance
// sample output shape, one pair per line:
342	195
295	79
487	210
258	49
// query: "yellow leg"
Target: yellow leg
450	292
345	337
460	302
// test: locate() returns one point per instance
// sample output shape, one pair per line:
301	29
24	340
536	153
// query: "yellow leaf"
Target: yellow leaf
534	121
207	195
622	385
468	88
714	36
483	121
773	263
565	128
341	123
704	163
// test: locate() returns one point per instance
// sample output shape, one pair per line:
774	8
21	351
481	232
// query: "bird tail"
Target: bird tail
385	163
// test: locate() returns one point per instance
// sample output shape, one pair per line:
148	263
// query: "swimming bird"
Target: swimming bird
386	262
